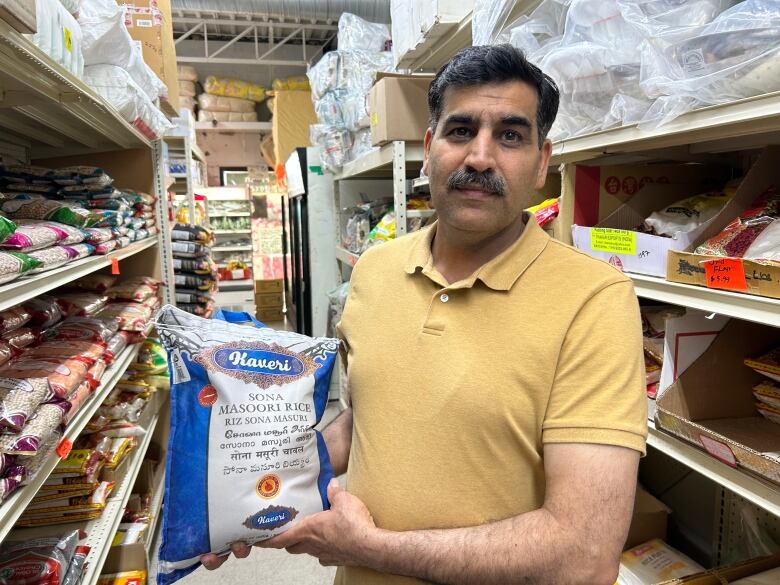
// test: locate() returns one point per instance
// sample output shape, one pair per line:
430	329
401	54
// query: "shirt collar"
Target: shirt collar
498	274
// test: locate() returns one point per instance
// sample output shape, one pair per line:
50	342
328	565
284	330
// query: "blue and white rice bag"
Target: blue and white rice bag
244	463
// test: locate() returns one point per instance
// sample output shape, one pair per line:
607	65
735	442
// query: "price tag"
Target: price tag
63	449
720	451
726	274
613	241
114	266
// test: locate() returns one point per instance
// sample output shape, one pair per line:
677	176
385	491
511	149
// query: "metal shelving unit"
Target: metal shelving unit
262	127
182	142
232	249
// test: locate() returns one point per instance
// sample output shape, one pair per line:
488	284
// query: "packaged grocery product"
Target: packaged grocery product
217	103
77	565
13	477
13	318
159	381
126	578
97	236
47	558
32	188
83	329
105	218
217	368
26	207
64	508
15	264
687	214
204	265
25	173
151	358
66	234
115	345
546	211
654	562
768	393
6	461
36	431
64	375
134	383
120	449
384	231
78	175
96	282
187	73
189	250
131	292
769	412
96	371
19	399
234	88
195	281
356	34
106	247
81	304
767	364
88	351
19	339
81	465
766	247
44	311
29	237
153	303
78	251
6	353
129	315
50	258
184	232
77	400
294	82
34	463
202	310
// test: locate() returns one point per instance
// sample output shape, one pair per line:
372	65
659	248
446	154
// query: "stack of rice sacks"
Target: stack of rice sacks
51	217
229	100
54	351
196	272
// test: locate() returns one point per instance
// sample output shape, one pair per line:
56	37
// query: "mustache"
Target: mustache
488	181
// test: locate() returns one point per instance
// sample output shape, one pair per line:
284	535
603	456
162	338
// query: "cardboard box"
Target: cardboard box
293	114
269	300
20	14
648	521
729	574
269	315
712	405
269	286
398	108
689	268
125	558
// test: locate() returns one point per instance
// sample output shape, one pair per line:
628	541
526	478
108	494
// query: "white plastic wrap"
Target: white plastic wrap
488	19
209	116
361	143
767	245
217	103
353	71
335	144
737	55
107	42
187	89
59	35
187	102
537	31
118	88
601	22
72	6
187	73
361	35
341	108
659	17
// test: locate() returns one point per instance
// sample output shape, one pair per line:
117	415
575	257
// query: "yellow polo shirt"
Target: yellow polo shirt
456	388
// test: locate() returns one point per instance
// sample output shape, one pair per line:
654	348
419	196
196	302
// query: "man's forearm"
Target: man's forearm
338	439
529	549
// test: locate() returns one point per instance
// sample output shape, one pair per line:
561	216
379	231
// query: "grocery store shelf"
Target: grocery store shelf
179	176
236	285
424	213
13	507
156	513
262	127
742	306
726	127
18	291
218	232
420	184
50	109
378	163
232	249
762	493
179	144
346	256
234	214
225	264
168	109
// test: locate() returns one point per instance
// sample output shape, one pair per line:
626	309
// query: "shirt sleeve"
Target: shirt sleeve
599	390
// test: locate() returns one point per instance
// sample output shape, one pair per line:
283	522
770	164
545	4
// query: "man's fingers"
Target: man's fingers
297	549
241	550
212	562
333	489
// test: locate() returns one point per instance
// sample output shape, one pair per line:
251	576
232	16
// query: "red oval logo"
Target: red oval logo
207	396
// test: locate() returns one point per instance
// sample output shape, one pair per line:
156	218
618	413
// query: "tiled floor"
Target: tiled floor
266	566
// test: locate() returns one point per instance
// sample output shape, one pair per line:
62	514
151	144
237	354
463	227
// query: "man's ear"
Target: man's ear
427	150
541	176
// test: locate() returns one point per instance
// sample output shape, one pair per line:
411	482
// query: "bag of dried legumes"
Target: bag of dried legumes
244	402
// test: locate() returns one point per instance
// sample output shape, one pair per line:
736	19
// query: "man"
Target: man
496	375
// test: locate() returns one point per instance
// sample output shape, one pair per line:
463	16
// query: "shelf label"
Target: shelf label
613	241
726	274
114	266
720	451
63	449
68	39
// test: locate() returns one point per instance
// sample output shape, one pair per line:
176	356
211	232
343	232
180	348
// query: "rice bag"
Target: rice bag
115	345
131	291
64	375
195	281
119	204
37	431
15	264
7	228
96	282
277	383
20	339
44	311
88	351
129	315
97	236
50	258
77	400
21	173
142	234
95	373
33	188
19	399
123	242
84	329
105	218
766	247
6	353
189	250
767	364
46	558
106	247
34	463
91	191
79	251
66	212
13	478
77	175
6	461
33	236
13	318
81	304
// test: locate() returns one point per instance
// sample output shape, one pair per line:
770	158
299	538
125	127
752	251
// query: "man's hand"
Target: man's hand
341	536
211	561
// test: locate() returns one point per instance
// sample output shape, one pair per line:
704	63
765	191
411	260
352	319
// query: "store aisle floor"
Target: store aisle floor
263	566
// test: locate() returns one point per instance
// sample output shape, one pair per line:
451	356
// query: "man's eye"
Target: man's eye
511	136
461	132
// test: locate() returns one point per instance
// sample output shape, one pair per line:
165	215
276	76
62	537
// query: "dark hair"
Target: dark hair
494	64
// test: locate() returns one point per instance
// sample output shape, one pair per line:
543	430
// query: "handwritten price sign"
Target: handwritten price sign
726	274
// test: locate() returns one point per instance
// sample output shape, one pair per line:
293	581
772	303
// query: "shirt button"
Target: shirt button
444	298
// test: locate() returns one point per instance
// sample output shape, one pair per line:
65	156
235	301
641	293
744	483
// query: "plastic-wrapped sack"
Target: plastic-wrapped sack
44	311
96	282
653	562
184	232
15	264
50	258
335	144
735	56
31	237
86	351
52	20
19	339
687	214
47	558
13	318
81	304
7	228
200	282
187	88
66	234
151	358
280	381
209	116
78	175
129	316
766	247
64	375
237	88
358	34
217	103
17	173
36	431
189	250
19	400
292	83
117	87
78	251
115	345
187	73
488	19
28	207
352	71
198	266
533	32
131	291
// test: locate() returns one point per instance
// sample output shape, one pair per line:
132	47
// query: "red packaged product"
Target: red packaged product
84	329
13	319
64	375
89	351
81	304
77	400
43	561
20	339
44	310
95	373
116	344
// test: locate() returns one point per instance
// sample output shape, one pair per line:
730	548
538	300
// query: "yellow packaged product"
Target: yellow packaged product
769	412
768	393
126	578
294	82
237	88
654	562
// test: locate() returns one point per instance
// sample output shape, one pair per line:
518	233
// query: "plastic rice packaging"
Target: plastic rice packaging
244	402
767	364
81	304
47	558
36	432
77	175
95	282
83	329
115	345
15	264
129	315
64	375
77	400
131	291
19	339
654	562
50	258
184	232
95	373
26	207
13	318
89	351
97	236
106	247
44	311
19	399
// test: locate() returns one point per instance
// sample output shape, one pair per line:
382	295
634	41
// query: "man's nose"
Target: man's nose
480	156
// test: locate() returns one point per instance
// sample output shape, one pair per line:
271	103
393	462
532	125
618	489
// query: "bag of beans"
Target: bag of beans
81	304
28	207
50	258
37	430
115	345
84	329
19	399
64	375
244	402
15	264
130	316
14	318
44	311
95	282
20	339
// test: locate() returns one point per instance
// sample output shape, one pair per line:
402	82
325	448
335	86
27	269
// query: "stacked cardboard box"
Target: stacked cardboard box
269	300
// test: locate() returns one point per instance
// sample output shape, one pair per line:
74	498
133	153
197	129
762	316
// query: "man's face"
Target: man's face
484	161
